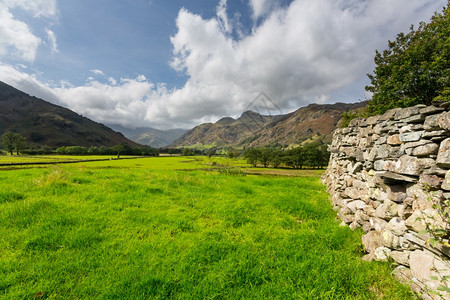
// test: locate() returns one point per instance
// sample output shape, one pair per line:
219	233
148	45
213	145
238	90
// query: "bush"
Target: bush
414	69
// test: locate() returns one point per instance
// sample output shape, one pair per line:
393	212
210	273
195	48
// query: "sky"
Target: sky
178	63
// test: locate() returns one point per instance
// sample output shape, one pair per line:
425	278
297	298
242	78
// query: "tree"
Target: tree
415	67
265	157
252	156
12	141
19	143
93	150
8	142
118	149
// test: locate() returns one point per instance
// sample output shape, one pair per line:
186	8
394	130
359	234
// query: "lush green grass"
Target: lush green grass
137	229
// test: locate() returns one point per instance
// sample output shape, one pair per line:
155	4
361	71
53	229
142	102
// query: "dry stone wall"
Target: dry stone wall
389	175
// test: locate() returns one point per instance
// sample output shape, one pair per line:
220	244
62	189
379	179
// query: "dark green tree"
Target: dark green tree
19	143
415	67
118	149
11	141
252	156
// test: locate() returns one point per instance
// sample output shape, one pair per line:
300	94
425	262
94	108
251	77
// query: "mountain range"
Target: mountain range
251	129
149	136
43	123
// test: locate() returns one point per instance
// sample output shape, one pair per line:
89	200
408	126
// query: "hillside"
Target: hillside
43	123
150	136
226	131
254	130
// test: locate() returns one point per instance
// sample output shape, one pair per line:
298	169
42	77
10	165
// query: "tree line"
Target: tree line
312	155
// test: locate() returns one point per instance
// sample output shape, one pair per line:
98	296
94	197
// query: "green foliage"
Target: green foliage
232	171
350	115
12	141
139	229
415	67
314	155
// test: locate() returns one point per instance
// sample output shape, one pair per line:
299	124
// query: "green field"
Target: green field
157	228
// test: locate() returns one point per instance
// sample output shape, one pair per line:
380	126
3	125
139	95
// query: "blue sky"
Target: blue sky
179	63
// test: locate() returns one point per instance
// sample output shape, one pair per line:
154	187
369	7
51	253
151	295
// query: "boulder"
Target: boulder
416	222
406	112
390	176
389	115
421	264
443	157
377	224
444	121
373	120
394	140
352	193
397	226
410	136
432	122
382	254
410	165
390	240
401	257
356	205
387	210
446	183
429	110
415	119
361	217
439	134
426	150
371	241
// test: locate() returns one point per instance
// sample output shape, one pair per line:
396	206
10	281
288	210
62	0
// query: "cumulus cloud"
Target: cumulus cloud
16	37
260	8
297	54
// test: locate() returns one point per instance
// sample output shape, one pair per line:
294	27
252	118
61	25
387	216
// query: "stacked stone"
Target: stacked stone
384	175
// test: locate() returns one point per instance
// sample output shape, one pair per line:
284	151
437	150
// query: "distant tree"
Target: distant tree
265	156
232	153
252	155
61	150
296	158
415	67
276	159
210	152
11	141
93	150
19	143
76	150
118	149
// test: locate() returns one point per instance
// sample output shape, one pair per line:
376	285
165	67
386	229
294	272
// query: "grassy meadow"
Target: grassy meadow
157	228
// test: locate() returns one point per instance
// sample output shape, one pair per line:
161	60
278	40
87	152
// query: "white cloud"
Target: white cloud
306	52
39	8
260	7
16	37
97	72
52	40
222	16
